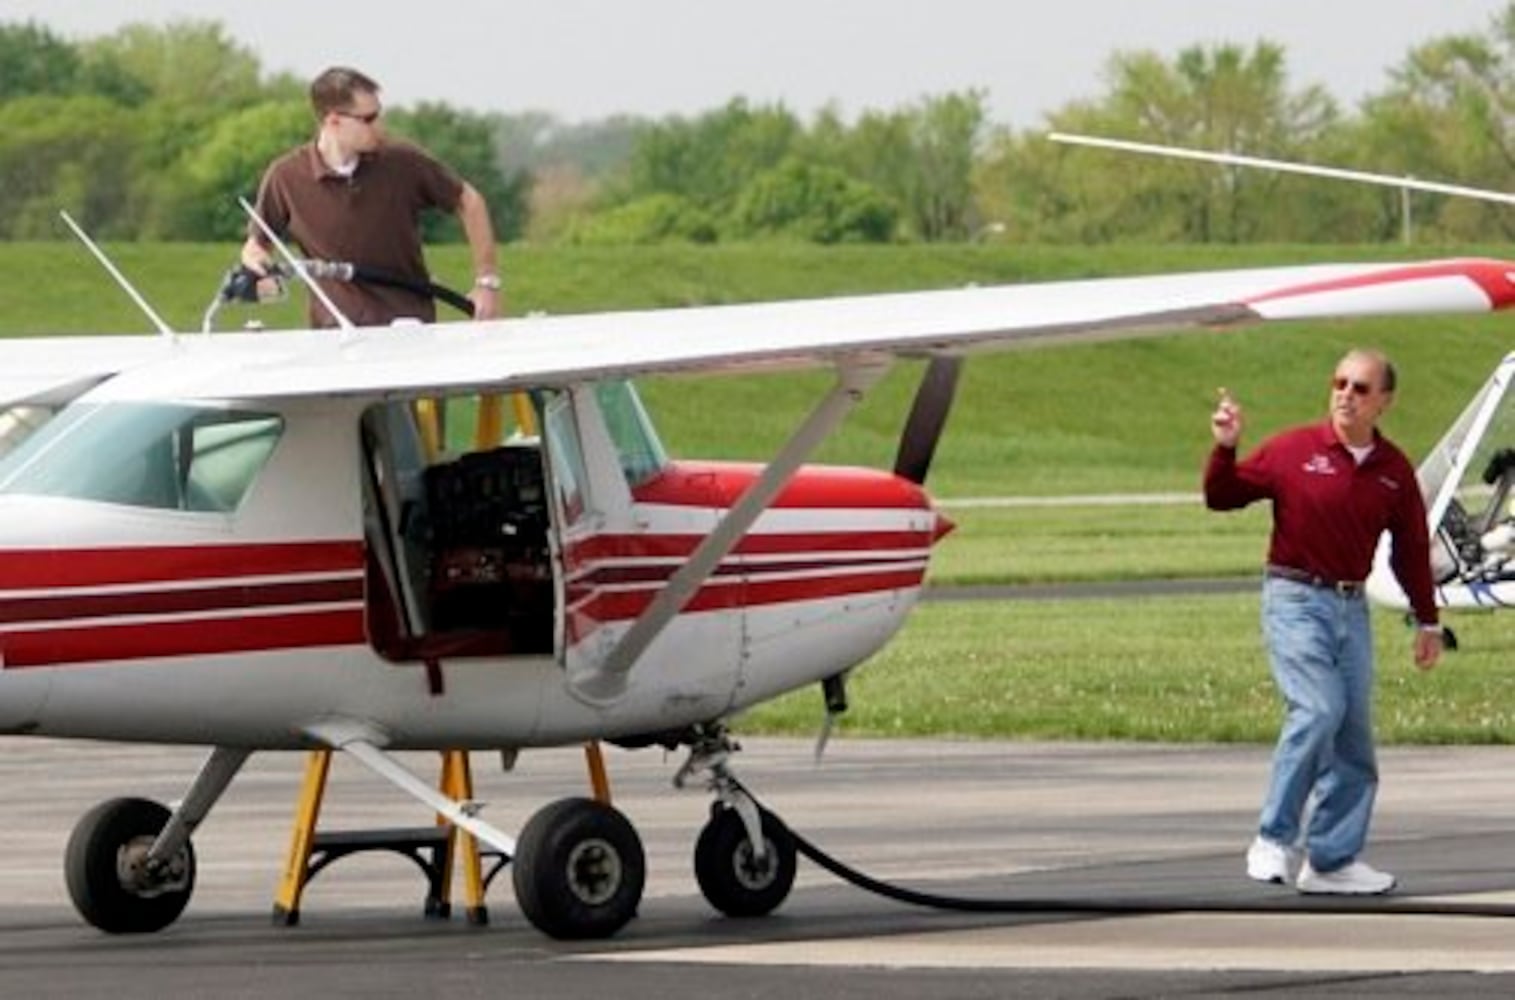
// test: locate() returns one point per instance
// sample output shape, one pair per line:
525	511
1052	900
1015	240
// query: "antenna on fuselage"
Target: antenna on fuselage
120	278
296	264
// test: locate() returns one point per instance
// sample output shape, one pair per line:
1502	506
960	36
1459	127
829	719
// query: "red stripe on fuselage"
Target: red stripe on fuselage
596	609
671	546
206	637
14	610
27	569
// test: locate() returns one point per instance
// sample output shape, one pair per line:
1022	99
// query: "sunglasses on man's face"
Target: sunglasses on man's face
1340	383
367	119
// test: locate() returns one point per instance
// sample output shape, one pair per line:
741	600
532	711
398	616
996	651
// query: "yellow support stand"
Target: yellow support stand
457	782
431	848
297	865
599	781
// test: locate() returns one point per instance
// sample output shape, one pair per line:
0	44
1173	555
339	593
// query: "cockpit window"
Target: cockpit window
17	423
636	443
159	455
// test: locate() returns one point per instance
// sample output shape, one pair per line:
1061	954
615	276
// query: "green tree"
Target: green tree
710	159
814	203
71	153
34	61
198	196
1218	98
183	62
466	141
1448	115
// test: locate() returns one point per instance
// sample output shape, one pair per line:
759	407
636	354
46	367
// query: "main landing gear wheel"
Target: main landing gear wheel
579	870
730	874
108	878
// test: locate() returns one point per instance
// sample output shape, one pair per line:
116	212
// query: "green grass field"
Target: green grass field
1170	668
1119	417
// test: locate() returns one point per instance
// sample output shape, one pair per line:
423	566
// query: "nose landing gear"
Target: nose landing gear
744	859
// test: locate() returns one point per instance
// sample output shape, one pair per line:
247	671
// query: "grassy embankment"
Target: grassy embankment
1127	417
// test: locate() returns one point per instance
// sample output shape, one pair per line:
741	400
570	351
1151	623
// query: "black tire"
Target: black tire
730	878
103	845
579	870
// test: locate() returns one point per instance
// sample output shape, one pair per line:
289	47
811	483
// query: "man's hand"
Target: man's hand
1428	644
486	302
1226	421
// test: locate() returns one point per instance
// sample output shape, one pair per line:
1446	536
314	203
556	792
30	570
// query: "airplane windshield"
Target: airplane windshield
158	455
636	443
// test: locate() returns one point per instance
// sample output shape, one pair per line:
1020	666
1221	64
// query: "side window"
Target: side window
569	473
160	455
637	446
225	456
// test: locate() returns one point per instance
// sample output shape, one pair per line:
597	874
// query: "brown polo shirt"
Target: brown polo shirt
371	218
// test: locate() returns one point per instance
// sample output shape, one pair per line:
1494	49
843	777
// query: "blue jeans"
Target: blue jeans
1321	650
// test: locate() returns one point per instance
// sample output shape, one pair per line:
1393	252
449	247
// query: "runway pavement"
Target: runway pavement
1127	856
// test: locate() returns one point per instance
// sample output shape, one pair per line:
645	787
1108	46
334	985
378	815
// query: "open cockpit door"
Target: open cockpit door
618	554
458	560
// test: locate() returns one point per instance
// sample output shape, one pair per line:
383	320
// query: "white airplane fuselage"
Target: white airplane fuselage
248	626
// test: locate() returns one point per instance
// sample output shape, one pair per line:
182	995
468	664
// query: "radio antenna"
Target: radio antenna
115	273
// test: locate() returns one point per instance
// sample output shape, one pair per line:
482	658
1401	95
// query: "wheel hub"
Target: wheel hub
594	871
139	875
752	872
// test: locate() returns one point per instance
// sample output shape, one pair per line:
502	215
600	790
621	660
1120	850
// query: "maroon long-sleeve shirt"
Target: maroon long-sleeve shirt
1328	511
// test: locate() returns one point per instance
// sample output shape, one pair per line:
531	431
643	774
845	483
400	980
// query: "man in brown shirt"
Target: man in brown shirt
354	195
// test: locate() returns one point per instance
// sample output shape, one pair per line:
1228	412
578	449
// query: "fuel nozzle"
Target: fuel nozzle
243	284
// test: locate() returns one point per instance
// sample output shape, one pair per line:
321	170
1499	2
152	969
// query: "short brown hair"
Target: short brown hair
333	90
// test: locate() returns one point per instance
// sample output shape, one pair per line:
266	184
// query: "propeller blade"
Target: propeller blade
928	416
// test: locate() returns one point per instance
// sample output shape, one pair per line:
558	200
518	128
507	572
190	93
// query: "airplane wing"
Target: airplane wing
554	350
53	370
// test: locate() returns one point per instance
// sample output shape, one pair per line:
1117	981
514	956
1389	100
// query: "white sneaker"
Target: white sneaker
1357	878
1270	861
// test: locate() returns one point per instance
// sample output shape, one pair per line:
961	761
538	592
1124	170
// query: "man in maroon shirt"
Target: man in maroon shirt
1336	486
354	195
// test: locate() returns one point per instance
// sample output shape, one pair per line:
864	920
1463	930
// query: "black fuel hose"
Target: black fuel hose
1298	903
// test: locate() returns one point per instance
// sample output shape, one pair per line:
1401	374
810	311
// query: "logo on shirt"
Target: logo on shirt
1320	465
1392	484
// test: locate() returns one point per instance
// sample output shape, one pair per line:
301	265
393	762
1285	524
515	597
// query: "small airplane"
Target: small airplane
242	541
1467	479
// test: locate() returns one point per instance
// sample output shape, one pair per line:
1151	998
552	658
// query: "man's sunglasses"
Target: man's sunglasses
1340	384
367	119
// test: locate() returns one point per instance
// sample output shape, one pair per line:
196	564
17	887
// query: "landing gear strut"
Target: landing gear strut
744	859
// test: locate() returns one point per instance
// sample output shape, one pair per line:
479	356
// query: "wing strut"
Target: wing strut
607	681
364	746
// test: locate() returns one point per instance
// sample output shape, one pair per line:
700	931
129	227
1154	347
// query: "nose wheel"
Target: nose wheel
738	878
113	882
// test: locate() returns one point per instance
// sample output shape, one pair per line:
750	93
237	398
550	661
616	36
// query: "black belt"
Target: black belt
1346	588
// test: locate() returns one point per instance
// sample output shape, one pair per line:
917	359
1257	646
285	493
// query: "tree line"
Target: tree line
154	131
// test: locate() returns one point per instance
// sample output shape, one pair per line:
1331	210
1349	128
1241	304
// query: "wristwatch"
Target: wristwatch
489	281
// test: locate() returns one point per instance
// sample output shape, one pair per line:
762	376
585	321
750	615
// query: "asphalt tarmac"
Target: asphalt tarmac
1121	864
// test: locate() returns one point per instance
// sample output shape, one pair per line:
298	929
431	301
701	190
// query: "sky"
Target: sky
583	60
